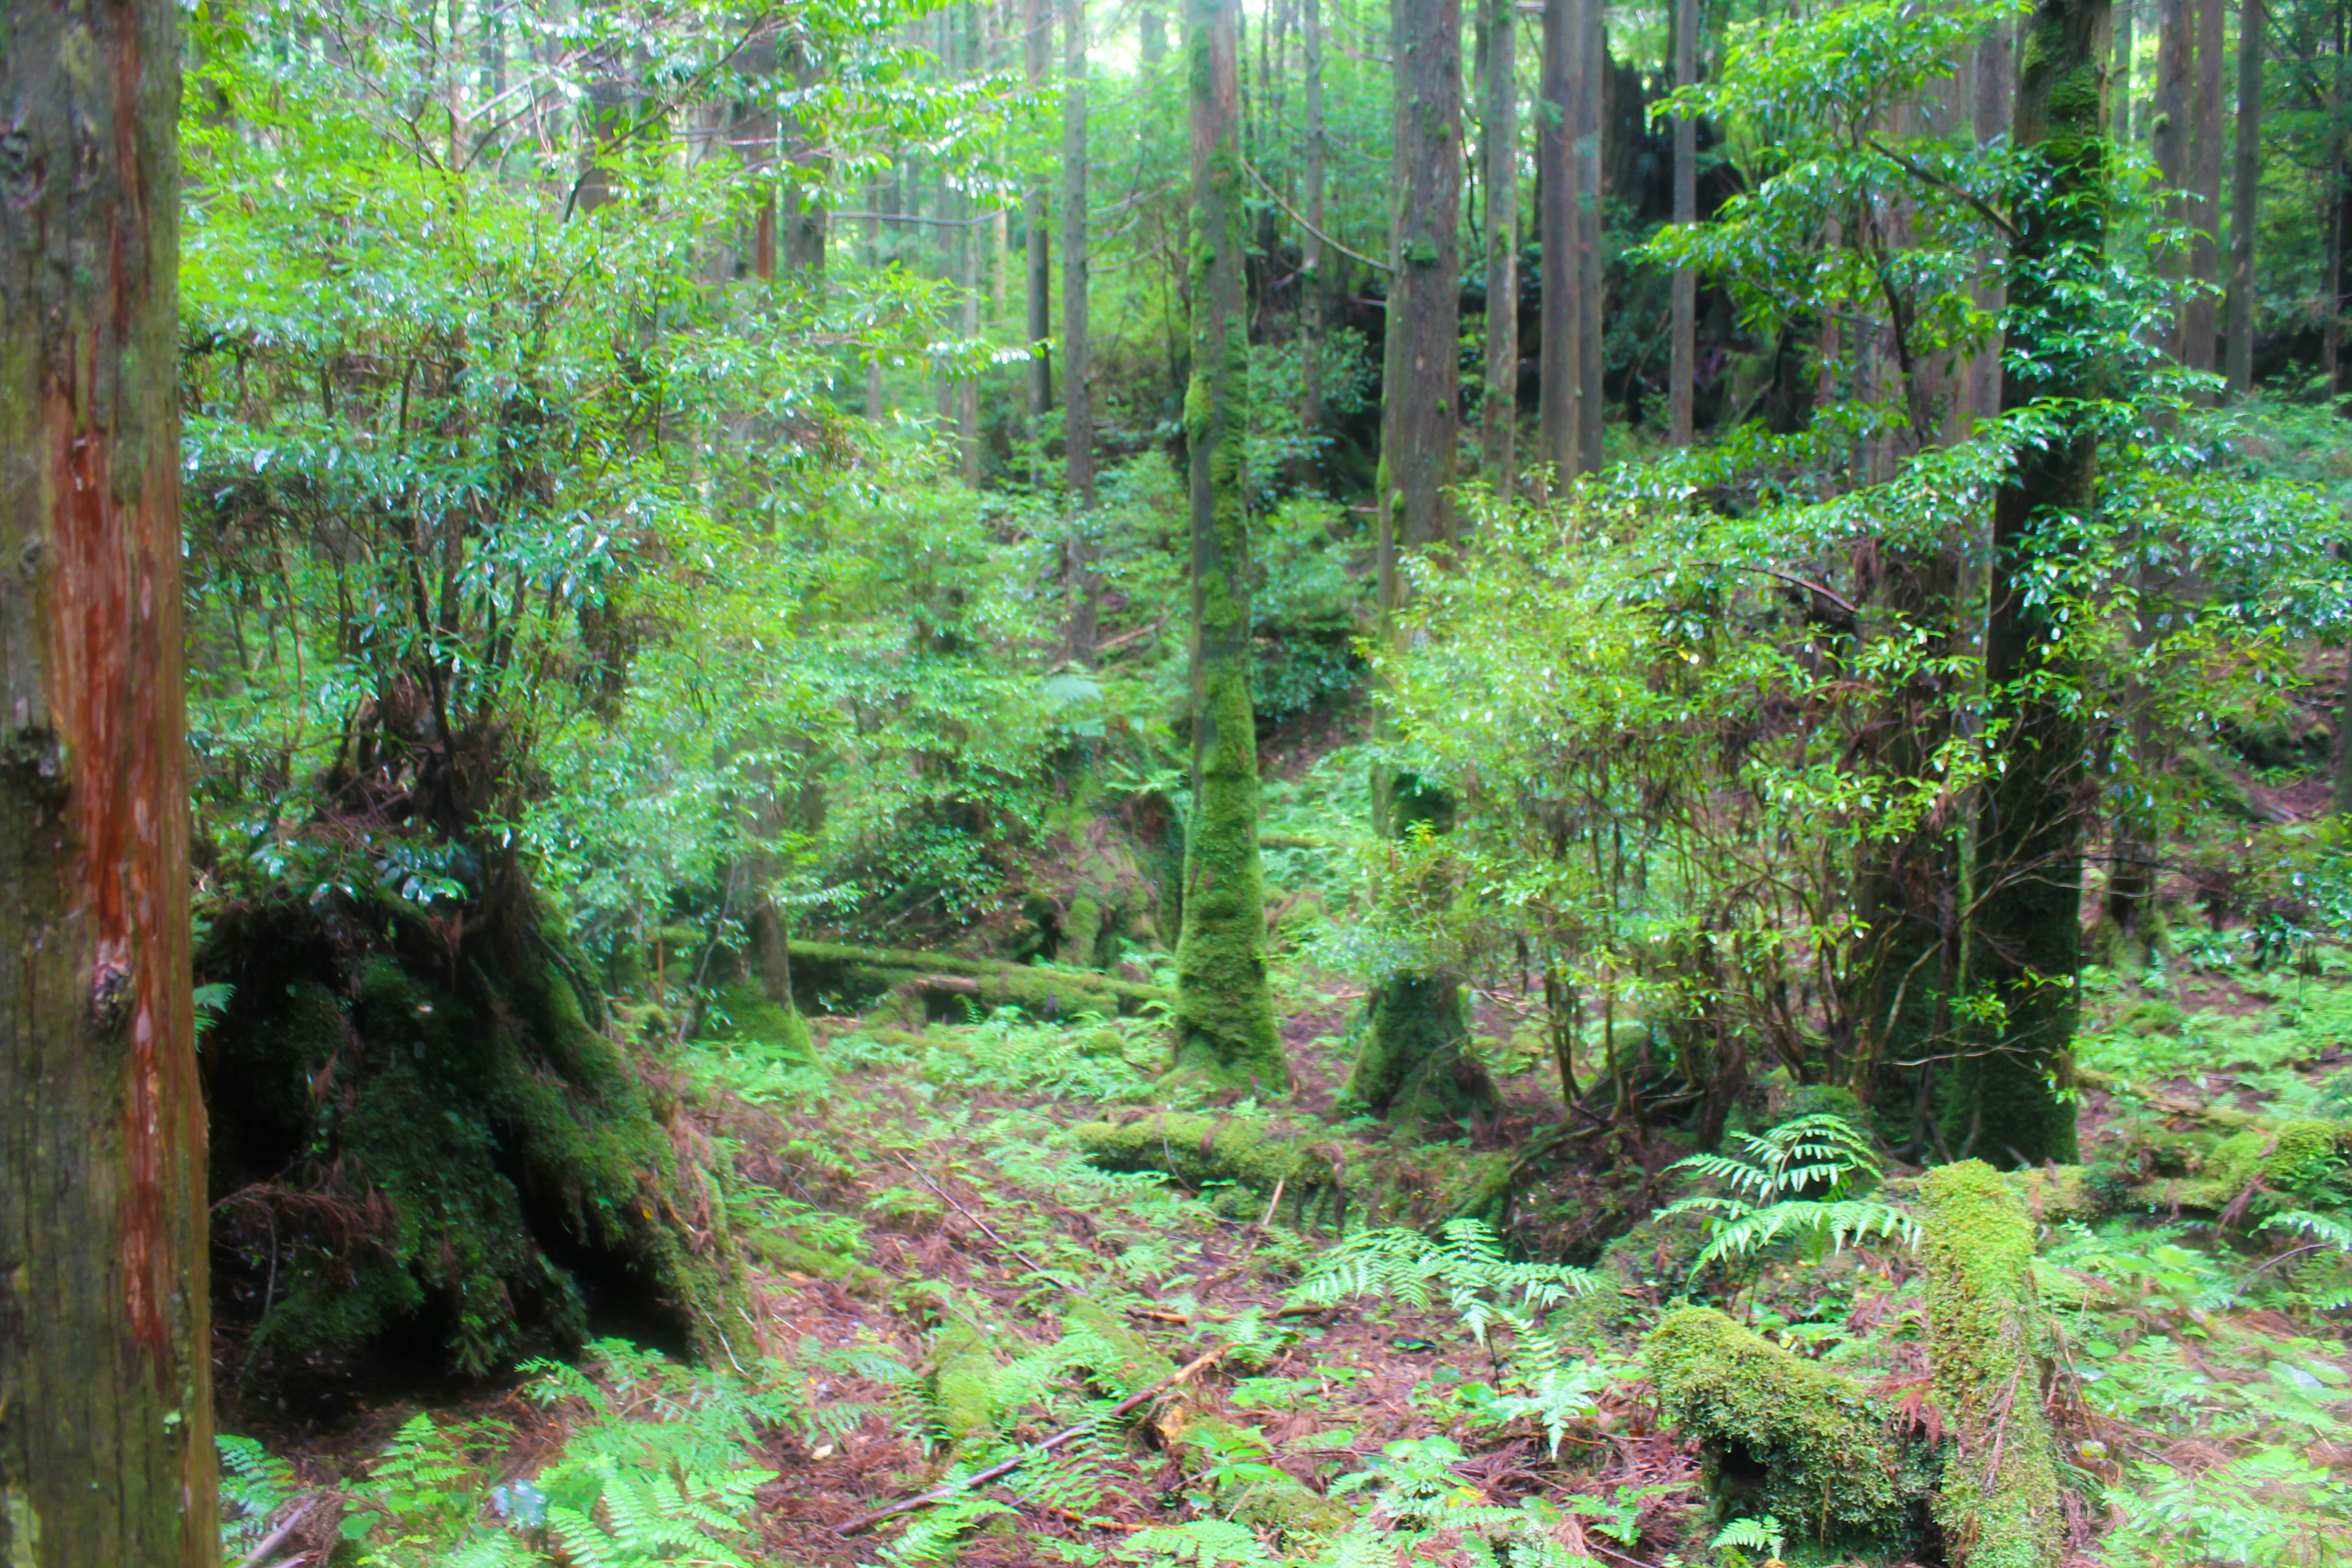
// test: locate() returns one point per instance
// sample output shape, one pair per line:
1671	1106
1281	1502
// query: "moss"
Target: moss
1413	1062
742	1012
1999	1506
1198	1150
453	1147
2053	1195
964	1364
1782	1435
1082	933
1225	1000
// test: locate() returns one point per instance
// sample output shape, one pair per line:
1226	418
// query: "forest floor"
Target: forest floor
929	1249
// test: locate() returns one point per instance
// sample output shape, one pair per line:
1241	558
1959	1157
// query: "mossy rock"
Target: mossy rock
1782	1436
742	1014
422	1143
1195	1149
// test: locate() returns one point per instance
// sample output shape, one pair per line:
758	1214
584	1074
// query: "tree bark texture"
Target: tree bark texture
1036	44
2023	941
1499	413
1312	299
1078	350
2122	71
106	1431
1224	1000
2201	313
2245	198
1682	375
1995	82
1560	364
2176	91
1591	271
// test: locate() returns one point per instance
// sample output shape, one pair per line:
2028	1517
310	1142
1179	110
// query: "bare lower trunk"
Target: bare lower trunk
1037	39
1077	349
1499	413
106	1432
1682	375
2201	315
1559	366
1591	273
2245	198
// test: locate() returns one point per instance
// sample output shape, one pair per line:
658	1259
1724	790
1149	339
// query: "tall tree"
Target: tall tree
106	1431
2245	197
1592	273
1311	282
1225	999
2123	76
1077	349
1411	1064
1036	206
2023	944
2172	138
1682	375
2201	313
1560	364
1499	413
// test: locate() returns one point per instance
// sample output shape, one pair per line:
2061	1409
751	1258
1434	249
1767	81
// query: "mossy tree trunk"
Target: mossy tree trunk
1224	1003
1999	1503
106	1432
1411	1064
2023	941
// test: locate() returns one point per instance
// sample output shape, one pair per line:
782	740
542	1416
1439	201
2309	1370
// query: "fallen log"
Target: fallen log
876	972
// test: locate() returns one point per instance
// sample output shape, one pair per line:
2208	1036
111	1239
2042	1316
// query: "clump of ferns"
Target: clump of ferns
1803	1180
1465	1267
2321	1266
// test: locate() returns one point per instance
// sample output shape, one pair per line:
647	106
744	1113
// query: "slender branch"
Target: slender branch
1300	218
1133	1401
1911	167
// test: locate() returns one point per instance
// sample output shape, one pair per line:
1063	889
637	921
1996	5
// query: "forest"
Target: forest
1176	783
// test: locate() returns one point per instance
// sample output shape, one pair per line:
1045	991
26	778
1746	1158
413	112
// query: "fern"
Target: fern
1797	1179
1205	1542
254	1484
1763	1535
2332	1235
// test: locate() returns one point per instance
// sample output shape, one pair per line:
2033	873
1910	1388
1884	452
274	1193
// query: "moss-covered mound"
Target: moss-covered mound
1257	1152
429	1148
1785	1436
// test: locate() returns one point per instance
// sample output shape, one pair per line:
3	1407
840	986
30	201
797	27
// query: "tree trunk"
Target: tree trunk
1411	1066
1078	405
1036	42
2175	87
2245	198
1682	376
806	219
2122	71
1592	60
1152	29
1560	364
1996	88
2023	938
1499	412
1312	299
1225	1004
2200	314
106	1427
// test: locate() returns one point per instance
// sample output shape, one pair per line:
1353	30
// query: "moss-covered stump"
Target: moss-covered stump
429	1152
1785	1436
1414	1063
1258	1153
741	1014
2000	1504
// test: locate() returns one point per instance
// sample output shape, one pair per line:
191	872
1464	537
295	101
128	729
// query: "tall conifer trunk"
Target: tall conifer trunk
1682	375
2245	198
106	1431
1499	413
1036	209
1312	299
1077	347
1224	1003
1411	1065
1561	364
1592	274
2023	944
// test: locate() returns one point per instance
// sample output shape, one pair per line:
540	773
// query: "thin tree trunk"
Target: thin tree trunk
2125	13
2199	316
1036	42
1682	375
1560	363
2025	936
878	200
1152	24
1312	298
1078	405
1224	1003
1499	413
1593	58
806	219
2175	89
1996	89
2245	197
106	1422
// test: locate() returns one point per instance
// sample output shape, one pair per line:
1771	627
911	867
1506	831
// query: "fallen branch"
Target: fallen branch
277	1538
886	969
1133	1401
986	1228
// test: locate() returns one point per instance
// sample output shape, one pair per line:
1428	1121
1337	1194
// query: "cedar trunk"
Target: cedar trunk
106	1431
1682	375
1224	1003
1559	366
1499	413
2245	198
1592	70
2023	941
1037	42
1077	349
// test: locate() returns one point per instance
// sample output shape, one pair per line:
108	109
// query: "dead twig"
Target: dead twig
1133	1401
1035	1267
